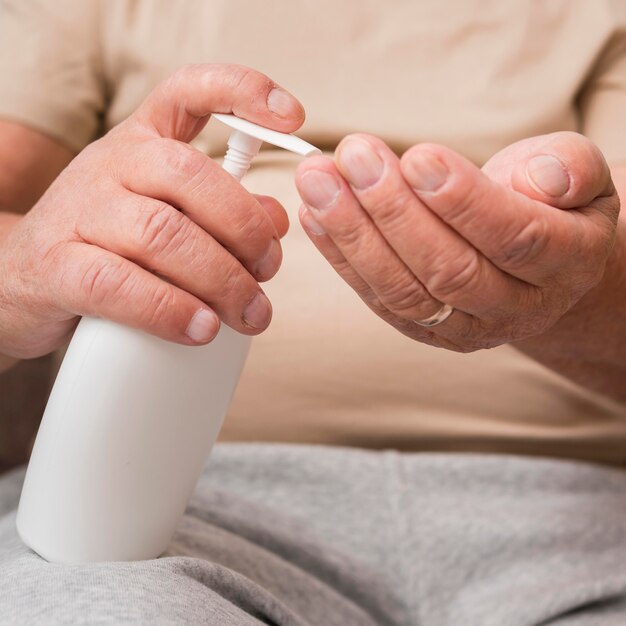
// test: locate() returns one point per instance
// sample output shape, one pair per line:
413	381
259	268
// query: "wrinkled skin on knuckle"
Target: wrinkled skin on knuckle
103	279
181	162
159	303
252	230
161	230
232	283
352	240
392	213
361	245
450	277
193	171
403	296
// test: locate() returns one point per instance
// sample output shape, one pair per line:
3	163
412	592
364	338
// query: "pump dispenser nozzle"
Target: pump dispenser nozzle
246	139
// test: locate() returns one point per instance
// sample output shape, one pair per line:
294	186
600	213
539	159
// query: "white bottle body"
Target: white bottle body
127	429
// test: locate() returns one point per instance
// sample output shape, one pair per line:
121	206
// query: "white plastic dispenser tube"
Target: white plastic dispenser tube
130	422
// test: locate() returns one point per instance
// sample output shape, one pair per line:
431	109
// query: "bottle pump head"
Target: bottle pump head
245	142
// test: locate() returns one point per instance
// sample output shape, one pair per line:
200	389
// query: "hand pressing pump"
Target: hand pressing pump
130	422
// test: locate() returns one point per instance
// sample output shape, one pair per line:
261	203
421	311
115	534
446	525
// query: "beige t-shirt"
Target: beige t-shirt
475	75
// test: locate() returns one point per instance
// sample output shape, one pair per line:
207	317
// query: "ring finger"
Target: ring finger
461	325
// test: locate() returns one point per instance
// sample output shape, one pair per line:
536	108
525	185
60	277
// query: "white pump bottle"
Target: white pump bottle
130	422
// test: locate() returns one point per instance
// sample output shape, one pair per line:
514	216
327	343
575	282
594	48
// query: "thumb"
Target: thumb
564	170
181	105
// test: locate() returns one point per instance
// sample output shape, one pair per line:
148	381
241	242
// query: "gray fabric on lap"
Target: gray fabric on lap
295	535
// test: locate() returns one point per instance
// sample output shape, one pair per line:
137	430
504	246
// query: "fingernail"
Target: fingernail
258	313
425	172
318	189
283	104
548	175
203	326
360	163
310	223
268	265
